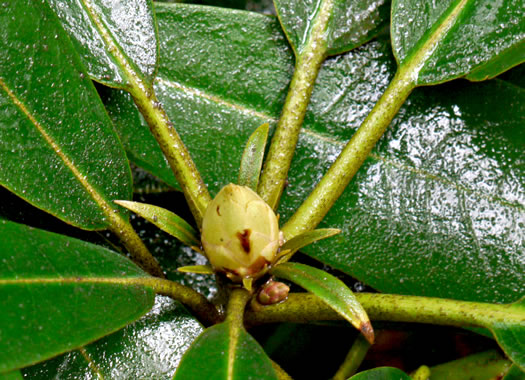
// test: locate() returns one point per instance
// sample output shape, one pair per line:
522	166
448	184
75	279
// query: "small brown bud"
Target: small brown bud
273	292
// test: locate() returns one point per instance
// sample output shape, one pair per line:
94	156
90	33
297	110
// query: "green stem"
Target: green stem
331	186
198	304
286	134
484	365
178	156
305	307
353	359
138	251
172	146
239	297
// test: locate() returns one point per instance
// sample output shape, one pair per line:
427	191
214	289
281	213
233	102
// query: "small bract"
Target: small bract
240	233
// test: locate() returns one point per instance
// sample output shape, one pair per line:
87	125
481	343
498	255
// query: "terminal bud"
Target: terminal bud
240	233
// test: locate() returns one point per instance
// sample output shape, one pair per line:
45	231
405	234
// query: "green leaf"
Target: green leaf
436	208
429	38
351	22
509	58
514	373
60	293
252	158
59	150
329	289
217	355
511	337
140	145
164	219
150	348
382	373
14	375
115	38
308	238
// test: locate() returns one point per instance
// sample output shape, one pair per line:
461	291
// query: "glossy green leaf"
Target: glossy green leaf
514	373
331	290
115	38
59	150
13	375
252	158
59	294
308	238
450	38
382	373
511	337
351	22
436	208
509	58
140	145
217	355
164	219
150	348
481	366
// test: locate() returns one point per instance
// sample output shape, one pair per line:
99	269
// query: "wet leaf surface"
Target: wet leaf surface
61	293
58	148
215	347
436	210
352	22
112	37
150	348
473	33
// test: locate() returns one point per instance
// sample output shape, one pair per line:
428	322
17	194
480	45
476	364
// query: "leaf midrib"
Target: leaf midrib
330	140
81	178
130	281
130	71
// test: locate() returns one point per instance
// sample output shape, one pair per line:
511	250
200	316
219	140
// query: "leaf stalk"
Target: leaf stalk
282	148
353	359
138	251
316	206
304	307
199	305
174	150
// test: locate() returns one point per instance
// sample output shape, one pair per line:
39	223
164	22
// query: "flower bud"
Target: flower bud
240	233
273	292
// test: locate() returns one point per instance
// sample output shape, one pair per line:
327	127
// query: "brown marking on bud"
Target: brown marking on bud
257	266
219	210
244	238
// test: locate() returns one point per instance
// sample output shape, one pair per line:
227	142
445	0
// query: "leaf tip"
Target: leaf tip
368	332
